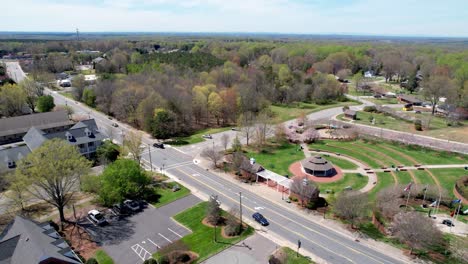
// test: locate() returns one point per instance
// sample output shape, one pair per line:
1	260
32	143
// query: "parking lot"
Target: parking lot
135	238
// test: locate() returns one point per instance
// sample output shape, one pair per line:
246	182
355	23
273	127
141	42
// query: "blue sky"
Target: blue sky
373	17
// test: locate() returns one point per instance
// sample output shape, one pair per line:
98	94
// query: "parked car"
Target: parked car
208	136
260	219
119	209
158	145
234	128
134	206
115	125
447	222
96	217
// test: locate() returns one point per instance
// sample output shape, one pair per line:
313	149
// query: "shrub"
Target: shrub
150	261
418	125
92	261
370	109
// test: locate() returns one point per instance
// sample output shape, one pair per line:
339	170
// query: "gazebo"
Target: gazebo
318	166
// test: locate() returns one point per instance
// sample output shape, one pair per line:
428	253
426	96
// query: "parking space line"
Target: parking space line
165	237
141	252
177	234
152	242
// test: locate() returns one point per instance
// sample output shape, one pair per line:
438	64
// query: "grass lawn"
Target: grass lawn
346	149
166	195
384	179
403	177
342	163
438	126
102	257
201	240
423	177
67	94
448	177
197	137
277	158
292	257
355	180
284	113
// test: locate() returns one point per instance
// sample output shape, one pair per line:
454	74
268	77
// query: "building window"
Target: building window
90	144
81	146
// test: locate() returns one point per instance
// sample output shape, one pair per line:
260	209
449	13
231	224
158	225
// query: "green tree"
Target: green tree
108	152
45	103
89	98
52	172
33	91
123	179
215	105
12	100
163	124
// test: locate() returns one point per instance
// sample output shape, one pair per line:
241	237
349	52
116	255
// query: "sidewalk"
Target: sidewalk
275	197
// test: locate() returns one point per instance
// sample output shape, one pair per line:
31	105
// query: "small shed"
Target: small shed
351	114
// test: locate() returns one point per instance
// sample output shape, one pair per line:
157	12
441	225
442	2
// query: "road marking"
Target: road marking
165	237
174	232
141	252
152	242
299	234
259	208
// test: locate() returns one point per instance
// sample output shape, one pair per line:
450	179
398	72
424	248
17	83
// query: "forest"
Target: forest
175	86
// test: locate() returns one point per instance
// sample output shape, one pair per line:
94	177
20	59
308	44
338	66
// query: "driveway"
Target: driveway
135	238
255	249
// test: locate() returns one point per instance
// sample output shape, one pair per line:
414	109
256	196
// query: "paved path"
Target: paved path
14	71
253	250
372	177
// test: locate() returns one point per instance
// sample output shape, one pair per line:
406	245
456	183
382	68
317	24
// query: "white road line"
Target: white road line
152	242
177	234
165	237
139	250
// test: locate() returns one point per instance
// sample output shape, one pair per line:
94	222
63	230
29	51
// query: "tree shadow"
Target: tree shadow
115	232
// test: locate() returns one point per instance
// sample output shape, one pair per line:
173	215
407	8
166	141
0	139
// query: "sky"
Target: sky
368	17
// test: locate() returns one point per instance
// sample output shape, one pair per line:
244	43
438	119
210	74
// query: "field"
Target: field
277	158
102	257
438	126
342	163
284	113
166	195
379	154
196	137
201	240
354	180
293	258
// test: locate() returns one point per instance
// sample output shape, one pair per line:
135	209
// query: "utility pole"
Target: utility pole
240	209
149	151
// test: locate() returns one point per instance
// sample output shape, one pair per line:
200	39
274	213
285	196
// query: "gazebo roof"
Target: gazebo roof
316	163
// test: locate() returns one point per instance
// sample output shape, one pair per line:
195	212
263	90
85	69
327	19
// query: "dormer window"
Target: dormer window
88	132
69	136
11	164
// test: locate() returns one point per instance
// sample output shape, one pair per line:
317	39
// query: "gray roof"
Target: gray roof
350	112
35	137
21	124
25	241
410	99
14	154
316	163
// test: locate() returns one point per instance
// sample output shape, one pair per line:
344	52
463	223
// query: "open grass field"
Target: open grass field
166	195
377	153
277	158
201	239
354	180
284	113
196	137
342	163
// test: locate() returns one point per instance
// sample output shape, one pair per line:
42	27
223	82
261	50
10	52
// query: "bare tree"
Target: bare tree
388	201
246	125
79	86
305	189
437	87
132	145
416	230
213	211
33	90
212	154
225	140
233	227
351	206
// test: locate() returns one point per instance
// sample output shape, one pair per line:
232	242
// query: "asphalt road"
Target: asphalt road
285	222
325	243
